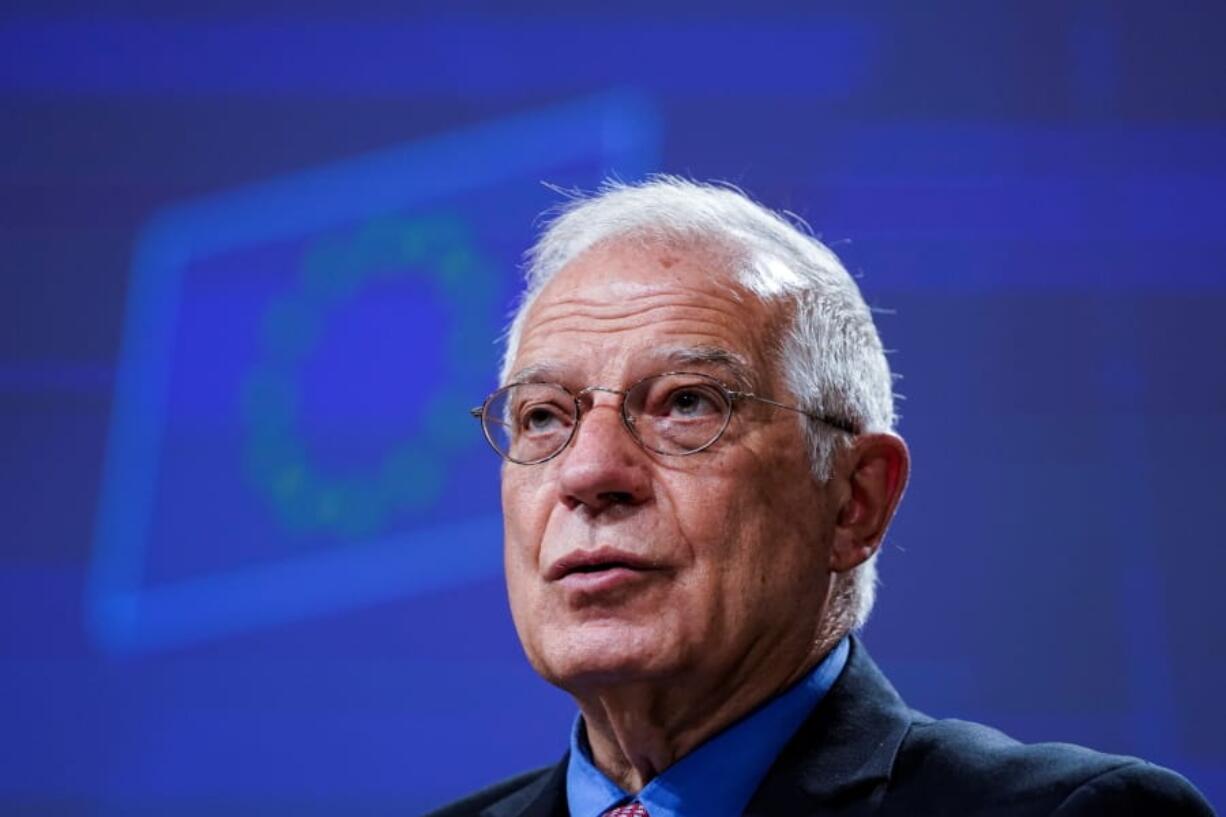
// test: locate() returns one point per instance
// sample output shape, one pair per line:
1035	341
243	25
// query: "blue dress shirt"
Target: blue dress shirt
717	778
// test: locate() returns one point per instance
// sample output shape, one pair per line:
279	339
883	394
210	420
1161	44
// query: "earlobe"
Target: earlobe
877	468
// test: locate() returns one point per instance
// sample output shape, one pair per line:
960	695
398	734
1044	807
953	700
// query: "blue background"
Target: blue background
256	258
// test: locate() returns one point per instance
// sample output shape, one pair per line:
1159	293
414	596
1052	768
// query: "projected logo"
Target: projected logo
290	434
409	473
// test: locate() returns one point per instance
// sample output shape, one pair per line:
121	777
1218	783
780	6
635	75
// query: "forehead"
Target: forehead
624	307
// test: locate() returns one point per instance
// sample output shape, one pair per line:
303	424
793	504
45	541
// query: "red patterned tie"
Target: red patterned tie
628	810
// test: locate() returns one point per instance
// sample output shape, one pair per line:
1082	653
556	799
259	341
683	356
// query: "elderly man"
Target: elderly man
700	467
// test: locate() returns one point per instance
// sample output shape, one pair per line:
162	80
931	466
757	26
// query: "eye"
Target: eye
541	418
691	401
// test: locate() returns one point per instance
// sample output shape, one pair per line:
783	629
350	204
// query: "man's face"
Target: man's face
625	565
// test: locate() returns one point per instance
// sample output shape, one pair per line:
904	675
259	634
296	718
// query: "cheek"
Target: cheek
752	535
524	512
524	587
523	526
719	522
702	509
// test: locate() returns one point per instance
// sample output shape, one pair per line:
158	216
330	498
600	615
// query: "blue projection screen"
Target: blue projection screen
257	261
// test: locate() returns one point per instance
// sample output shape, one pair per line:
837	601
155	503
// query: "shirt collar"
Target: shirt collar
718	777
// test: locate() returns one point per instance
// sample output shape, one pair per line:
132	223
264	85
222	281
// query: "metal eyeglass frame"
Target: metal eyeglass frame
731	395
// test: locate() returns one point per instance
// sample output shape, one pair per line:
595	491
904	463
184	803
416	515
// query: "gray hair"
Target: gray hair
831	355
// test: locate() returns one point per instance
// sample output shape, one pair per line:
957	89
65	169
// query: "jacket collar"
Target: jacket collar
845	748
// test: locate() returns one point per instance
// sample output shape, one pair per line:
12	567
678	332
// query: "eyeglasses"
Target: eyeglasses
674	413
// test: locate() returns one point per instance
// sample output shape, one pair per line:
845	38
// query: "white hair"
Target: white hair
831	355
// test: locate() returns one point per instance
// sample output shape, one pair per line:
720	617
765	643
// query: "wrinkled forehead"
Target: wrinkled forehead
676	301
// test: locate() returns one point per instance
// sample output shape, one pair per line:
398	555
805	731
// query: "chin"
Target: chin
604	653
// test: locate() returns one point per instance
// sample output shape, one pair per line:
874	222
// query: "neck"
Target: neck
638	729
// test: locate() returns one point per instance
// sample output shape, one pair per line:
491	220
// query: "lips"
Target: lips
598	561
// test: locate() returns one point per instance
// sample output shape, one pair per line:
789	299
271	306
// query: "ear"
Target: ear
873	475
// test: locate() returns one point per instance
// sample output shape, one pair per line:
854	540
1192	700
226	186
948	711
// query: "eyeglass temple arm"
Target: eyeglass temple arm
841	425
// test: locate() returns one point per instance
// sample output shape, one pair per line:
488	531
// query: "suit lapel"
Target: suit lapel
543	797
840	759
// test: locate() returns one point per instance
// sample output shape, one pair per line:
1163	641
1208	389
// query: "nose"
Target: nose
603	466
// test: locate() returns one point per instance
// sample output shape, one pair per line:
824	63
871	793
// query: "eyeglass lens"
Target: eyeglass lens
670	414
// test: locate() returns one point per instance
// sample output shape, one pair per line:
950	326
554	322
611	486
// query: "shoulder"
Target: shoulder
521	785
964	763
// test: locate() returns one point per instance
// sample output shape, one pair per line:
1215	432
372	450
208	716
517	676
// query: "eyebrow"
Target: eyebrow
538	373
673	359
736	365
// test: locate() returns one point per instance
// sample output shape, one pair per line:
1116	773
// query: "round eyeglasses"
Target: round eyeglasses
674	413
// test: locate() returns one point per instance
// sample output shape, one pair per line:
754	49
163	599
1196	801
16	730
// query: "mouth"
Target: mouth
600	569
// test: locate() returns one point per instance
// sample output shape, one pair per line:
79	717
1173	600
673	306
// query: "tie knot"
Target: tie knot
628	810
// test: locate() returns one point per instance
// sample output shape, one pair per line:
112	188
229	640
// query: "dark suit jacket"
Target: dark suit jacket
863	751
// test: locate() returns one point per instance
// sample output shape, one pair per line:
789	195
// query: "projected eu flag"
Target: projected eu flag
290	433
